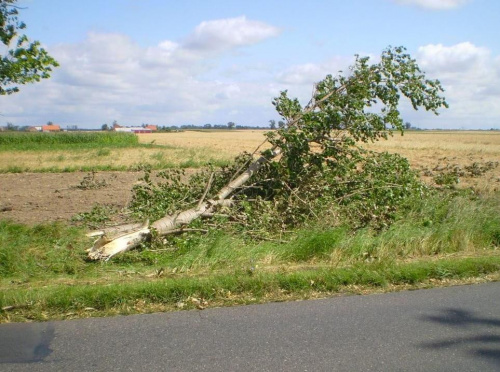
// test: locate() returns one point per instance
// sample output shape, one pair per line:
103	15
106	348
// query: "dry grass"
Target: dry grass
425	148
180	149
430	151
113	159
426	151
229	143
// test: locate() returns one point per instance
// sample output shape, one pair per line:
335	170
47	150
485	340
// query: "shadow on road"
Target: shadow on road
480	336
25	342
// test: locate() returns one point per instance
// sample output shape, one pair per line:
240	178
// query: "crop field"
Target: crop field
429	152
70	152
52	193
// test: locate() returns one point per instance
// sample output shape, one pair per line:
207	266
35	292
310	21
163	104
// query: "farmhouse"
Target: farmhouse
145	129
133	130
51	128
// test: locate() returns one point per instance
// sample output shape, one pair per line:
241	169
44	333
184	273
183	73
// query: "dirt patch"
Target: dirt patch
33	198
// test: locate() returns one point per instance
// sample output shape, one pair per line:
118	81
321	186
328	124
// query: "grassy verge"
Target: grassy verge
441	240
63	301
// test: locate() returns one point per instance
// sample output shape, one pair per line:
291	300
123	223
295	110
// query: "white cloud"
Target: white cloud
309	73
302	74
229	33
109	77
460	58
434	4
471	77
464	68
299	80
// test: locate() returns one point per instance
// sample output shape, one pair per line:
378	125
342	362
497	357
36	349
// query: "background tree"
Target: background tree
11	126
272	124
104	127
231	125
24	61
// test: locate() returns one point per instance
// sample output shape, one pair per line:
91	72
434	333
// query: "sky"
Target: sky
198	61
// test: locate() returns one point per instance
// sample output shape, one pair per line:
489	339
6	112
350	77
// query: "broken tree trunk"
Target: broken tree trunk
117	240
121	239
359	107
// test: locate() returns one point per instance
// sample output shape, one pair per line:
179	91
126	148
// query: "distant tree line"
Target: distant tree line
229	125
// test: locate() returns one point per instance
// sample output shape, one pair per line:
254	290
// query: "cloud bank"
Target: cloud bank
108	77
471	77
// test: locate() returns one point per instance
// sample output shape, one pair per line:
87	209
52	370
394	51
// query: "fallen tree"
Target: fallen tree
312	162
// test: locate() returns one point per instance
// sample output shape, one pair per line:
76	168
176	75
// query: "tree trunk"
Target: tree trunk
123	238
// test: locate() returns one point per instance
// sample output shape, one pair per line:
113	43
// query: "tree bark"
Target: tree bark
124	238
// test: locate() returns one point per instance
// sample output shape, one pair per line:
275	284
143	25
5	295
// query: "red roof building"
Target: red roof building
51	128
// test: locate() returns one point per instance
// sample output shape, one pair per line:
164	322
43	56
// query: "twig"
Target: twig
14	307
209	184
294	192
244	165
180	231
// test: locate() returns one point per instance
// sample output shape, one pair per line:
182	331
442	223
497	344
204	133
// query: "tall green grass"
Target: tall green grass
460	224
239	287
438	225
38	140
444	236
42	251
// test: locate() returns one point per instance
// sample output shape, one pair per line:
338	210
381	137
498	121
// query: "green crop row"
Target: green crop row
28	140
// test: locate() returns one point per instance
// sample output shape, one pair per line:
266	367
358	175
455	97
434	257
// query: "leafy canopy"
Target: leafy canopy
24	61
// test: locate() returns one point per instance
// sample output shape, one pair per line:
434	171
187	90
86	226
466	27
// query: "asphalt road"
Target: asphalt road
447	329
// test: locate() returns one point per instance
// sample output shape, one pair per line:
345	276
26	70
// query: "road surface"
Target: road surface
445	329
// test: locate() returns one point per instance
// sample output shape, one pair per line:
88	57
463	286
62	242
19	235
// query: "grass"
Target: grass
447	238
110	158
62	301
44	141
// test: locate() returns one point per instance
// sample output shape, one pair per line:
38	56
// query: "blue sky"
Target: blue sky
197	62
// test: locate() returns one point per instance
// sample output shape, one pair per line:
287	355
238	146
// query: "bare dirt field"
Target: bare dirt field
33	198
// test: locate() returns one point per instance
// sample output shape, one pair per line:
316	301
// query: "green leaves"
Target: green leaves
26	62
321	153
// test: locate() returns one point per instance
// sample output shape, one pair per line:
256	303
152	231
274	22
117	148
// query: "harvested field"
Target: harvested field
42	197
429	152
433	153
229	143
